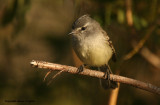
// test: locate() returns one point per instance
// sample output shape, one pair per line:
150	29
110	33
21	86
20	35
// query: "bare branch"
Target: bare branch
52	66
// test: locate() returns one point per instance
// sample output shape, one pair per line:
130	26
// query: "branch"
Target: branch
52	66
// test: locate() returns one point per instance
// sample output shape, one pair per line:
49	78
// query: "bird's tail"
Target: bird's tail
106	83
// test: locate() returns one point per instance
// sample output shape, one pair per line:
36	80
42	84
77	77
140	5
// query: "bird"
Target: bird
93	47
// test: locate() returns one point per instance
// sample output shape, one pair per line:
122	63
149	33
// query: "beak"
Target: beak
71	33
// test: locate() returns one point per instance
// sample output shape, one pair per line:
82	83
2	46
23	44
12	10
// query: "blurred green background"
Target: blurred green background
37	29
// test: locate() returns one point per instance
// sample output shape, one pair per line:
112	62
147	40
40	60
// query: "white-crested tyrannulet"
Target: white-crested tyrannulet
93	46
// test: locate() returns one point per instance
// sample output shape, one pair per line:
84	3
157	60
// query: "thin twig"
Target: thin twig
47	75
52	66
54	77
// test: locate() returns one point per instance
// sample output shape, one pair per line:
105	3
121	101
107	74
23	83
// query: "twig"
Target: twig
52	66
54	77
49	72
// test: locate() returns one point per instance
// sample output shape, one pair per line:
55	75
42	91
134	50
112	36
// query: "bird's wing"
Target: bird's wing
109	42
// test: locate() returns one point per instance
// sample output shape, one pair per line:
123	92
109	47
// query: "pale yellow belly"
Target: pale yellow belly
95	54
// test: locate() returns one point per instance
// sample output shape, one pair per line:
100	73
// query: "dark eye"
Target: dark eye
83	28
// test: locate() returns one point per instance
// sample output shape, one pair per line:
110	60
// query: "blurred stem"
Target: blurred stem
140	44
114	96
150	57
114	93
129	16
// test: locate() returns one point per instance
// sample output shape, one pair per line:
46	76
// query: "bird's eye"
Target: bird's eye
83	28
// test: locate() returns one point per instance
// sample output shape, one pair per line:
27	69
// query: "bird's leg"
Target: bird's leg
108	67
113	84
107	74
108	83
80	68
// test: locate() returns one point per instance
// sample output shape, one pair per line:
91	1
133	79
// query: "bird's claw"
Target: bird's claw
80	69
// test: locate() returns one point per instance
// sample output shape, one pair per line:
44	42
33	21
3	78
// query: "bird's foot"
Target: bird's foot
107	76
80	68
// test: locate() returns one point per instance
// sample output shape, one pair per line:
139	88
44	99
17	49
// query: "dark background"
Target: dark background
37	29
